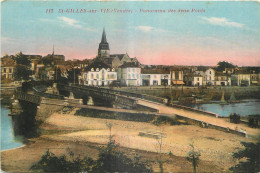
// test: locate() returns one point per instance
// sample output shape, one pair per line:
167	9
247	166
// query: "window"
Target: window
92	76
133	76
137	76
198	79
129	76
129	70
97	76
209	72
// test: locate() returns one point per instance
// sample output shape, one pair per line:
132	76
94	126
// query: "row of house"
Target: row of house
131	74
128	74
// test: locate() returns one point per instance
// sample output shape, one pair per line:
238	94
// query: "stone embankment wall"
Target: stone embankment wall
211	126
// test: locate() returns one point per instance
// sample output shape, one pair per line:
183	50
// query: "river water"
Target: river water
8	139
246	107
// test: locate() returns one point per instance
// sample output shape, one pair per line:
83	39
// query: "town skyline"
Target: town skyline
200	39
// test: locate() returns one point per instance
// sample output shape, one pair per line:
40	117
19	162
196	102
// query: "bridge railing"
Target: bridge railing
108	93
51	96
27	97
126	93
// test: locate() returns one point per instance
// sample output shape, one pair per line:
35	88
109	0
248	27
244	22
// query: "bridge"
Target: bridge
116	98
143	102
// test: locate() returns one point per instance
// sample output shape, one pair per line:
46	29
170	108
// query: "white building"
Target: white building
193	79
129	74
155	77
208	75
98	74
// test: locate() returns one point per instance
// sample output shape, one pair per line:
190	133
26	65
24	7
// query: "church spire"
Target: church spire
103	49
104	38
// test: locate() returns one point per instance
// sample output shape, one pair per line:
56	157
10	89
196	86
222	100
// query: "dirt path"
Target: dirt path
197	116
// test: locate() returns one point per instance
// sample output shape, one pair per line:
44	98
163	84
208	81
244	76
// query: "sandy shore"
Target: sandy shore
84	134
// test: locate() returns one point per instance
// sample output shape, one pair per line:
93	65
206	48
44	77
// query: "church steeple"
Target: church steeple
103	49
104	38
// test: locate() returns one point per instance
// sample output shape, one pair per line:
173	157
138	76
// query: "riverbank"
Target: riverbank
209	93
85	134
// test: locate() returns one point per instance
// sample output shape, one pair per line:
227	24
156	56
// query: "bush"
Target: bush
234	118
109	160
251	153
164	120
115	161
51	163
253	121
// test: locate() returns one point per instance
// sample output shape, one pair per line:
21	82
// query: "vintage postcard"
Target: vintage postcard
130	86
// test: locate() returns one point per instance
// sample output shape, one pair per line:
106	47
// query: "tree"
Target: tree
251	153
47	60
193	157
21	59
57	73
73	75
159	151
224	64
22	73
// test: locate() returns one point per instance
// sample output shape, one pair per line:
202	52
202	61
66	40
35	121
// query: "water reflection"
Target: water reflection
247	107
8	139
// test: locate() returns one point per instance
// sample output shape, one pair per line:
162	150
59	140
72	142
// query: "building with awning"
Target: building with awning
177	76
177	82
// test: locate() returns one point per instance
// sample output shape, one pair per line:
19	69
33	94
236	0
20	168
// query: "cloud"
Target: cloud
222	22
144	28
71	22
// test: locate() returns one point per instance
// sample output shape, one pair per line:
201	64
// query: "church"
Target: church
112	60
103	70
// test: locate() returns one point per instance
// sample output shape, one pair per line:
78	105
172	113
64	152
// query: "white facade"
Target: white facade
99	77
209	77
129	76
243	79
155	79
197	80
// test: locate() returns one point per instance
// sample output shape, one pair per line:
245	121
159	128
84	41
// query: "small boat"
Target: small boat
223	101
232	98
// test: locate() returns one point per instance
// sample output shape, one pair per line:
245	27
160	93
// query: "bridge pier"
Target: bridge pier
16	108
71	95
90	101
